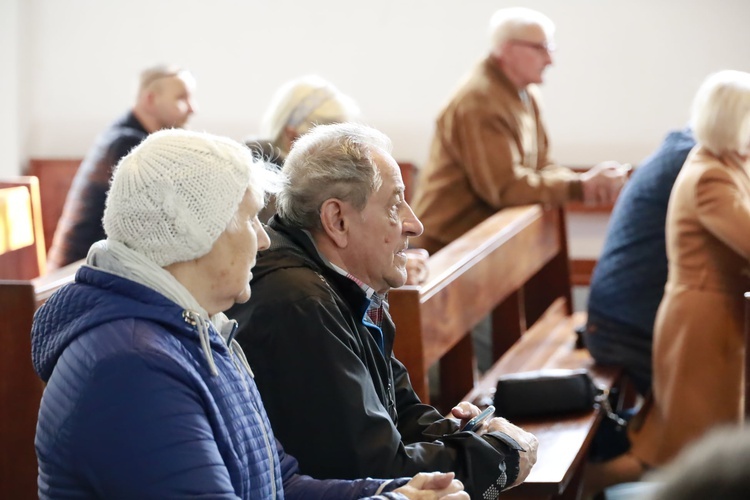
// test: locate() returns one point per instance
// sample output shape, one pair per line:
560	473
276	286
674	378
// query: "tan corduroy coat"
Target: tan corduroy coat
698	336
489	151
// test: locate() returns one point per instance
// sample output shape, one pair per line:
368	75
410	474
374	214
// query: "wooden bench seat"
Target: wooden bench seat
563	440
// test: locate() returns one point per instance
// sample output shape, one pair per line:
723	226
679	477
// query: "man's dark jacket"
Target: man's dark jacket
80	224
337	402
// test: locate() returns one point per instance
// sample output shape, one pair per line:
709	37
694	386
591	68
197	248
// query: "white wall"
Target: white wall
624	73
10	148
625	70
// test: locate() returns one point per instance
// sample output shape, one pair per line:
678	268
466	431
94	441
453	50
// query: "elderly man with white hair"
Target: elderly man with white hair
320	338
490	149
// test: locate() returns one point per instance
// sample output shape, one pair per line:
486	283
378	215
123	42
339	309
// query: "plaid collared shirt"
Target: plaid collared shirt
375	309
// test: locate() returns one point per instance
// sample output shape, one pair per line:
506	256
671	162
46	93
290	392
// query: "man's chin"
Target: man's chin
243	297
399	279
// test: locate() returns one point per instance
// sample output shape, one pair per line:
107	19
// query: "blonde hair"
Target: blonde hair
303	103
507	24
721	112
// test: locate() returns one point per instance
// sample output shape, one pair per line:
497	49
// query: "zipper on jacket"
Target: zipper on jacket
190	318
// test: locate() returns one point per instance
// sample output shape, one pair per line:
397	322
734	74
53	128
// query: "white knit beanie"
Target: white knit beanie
173	195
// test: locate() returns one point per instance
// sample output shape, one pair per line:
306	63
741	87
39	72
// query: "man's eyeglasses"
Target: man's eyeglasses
539	47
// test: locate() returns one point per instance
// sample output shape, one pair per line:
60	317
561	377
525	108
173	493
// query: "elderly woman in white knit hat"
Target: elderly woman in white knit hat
148	395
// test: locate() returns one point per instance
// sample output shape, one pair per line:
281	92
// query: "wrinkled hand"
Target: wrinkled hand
433	485
416	266
528	442
465	411
603	182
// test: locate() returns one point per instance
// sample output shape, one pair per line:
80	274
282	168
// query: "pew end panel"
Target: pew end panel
746	402
22	250
20	388
20	391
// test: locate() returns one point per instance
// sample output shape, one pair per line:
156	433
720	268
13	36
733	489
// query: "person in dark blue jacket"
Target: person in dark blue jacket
165	99
148	395
629	278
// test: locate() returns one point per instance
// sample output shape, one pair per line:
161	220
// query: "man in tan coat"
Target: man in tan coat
490	148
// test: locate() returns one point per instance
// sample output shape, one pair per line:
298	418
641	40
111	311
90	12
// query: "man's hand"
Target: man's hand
465	411
526	440
432	486
416	266
603	182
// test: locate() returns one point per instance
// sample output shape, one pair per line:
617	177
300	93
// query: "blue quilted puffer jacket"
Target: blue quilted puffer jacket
132	410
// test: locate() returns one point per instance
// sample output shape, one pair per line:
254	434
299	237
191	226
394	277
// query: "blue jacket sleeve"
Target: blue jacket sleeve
141	432
298	486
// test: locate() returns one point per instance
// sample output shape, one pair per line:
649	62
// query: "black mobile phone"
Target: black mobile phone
474	422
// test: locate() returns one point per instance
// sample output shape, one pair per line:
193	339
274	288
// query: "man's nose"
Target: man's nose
412	226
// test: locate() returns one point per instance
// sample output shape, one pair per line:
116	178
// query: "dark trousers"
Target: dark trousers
612	343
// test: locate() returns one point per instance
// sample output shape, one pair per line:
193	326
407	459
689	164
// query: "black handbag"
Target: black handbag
545	392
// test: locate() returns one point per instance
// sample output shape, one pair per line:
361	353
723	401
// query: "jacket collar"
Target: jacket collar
353	294
492	69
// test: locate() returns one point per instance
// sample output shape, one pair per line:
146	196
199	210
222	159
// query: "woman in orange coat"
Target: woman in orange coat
698	334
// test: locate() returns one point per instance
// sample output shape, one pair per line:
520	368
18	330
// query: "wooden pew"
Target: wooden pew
22	250
485	271
747	360
514	267
20	388
55	177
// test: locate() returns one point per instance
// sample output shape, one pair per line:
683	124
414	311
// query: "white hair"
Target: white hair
331	161
507	24
721	112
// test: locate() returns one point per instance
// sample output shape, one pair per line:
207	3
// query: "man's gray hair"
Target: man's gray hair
510	23
330	161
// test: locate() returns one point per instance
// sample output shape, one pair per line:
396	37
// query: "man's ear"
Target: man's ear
333	218
149	99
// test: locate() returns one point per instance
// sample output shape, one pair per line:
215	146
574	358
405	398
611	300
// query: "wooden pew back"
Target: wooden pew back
20	388
55	177
483	272
514	266
22	249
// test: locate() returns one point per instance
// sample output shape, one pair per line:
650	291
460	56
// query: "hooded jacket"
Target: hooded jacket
316	355
131	408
